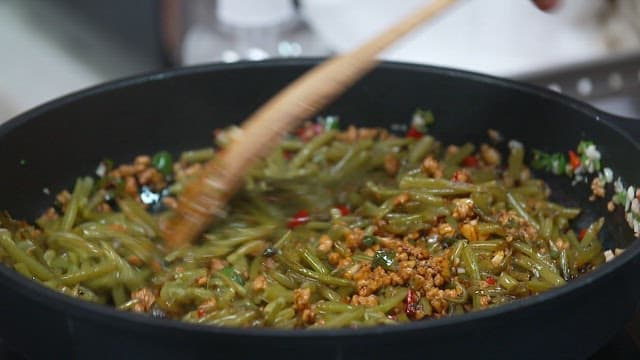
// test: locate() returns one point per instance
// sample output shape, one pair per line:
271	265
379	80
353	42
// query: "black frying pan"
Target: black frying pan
53	144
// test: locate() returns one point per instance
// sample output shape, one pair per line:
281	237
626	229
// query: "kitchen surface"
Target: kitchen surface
589	50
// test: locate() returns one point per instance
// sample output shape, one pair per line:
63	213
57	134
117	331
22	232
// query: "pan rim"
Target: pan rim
110	316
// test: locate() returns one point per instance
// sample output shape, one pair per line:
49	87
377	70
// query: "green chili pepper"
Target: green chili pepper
620	198
163	161
583	145
541	160
555	163
369	240
232	274
384	258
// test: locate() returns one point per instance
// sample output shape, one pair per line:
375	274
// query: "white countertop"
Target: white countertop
505	38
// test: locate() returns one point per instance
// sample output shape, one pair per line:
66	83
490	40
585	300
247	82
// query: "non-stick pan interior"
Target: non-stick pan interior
179	111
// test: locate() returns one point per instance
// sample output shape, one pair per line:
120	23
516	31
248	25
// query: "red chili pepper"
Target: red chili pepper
574	159
583	232
344	210
299	218
412	302
470	161
414	133
461	176
309	131
304	134
201	313
287	154
491	280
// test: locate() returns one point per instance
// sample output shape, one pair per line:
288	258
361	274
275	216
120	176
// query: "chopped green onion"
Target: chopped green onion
422	119
331	123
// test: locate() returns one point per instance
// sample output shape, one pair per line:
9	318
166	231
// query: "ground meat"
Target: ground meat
490	155
437	300
516	227
152	177
217	264
353	239
562	244
525	174
334	258
325	244
50	214
370	300
103	208
202	281
468	230
344	262
142	161
527	233
135	260
368	280
401	199
349	135
301	298
495	136
170	202
391	164
414	268
463	209
597	189
146	299
508	218
431	167
183	170
131	186
446	230
496	261
207	305
308	316
63	198
123	171
367	133
353	134
260	283
452	150
461	175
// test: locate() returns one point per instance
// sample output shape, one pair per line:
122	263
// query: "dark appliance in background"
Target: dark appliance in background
150	30
611	84
152	33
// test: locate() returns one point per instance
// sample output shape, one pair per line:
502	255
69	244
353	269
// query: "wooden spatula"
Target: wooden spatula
203	200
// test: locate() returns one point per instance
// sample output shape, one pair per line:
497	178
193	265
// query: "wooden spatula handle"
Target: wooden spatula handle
203	200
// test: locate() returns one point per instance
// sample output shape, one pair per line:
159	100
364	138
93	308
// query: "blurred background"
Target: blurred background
587	49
